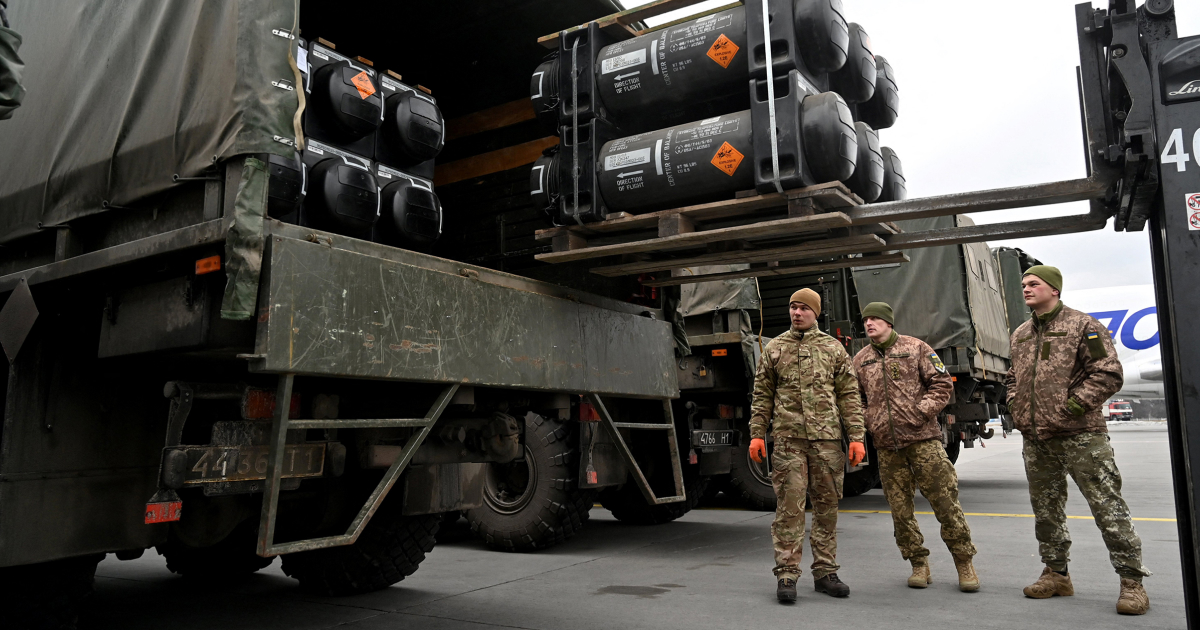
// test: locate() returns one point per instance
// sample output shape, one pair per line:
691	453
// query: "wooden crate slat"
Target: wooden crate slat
779	227
844	263
811	249
830	195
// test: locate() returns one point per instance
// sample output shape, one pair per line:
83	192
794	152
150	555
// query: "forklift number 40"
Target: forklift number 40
1176	151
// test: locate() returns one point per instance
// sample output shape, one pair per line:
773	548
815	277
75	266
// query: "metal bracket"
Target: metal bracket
636	471
279	429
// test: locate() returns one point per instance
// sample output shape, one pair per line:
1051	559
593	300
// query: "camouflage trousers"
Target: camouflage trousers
812	468
923	465
1088	458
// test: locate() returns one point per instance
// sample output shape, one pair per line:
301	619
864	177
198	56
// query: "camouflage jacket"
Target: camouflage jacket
805	385
1067	354
905	386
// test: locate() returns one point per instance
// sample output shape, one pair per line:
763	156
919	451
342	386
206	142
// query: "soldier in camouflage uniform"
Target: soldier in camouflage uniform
806	389
906	386
1064	366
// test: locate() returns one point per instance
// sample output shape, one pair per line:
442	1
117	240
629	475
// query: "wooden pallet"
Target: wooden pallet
622	25
803	224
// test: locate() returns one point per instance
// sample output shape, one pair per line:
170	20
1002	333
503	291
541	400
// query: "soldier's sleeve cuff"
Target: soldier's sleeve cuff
758	432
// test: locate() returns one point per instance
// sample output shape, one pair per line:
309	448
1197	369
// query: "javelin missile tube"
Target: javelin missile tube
690	70
702	161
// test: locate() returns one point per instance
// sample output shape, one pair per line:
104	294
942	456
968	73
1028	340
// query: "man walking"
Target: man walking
1064	367
805	387
905	385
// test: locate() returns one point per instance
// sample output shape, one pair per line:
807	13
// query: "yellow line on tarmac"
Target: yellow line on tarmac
1089	518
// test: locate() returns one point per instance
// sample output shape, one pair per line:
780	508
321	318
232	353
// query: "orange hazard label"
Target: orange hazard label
727	159
723	51
362	81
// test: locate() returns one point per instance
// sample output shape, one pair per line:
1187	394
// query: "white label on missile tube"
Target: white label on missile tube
629	158
620	62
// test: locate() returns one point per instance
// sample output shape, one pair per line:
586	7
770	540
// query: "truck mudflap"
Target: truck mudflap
332	312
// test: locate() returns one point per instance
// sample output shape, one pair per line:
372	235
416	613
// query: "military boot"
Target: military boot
1050	584
920	577
831	585
786	591
968	580
1133	599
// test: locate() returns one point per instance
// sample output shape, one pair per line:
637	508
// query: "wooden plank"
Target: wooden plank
811	249
674	224
497	117
844	263
779	227
491	162
690	18
568	241
624	18
829	194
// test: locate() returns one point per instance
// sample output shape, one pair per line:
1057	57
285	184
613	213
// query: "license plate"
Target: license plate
712	438
208	464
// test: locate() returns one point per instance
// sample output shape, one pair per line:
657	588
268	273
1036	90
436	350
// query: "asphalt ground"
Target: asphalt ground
712	569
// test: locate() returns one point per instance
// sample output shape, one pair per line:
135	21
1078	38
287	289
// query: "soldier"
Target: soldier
905	385
1064	368
804	383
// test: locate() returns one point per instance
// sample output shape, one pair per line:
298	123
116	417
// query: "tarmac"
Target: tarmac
712	569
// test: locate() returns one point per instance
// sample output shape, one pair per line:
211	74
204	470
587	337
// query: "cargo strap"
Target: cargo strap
766	18
640	478
279	428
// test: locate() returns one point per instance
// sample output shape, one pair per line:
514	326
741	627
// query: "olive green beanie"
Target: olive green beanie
882	310
1051	275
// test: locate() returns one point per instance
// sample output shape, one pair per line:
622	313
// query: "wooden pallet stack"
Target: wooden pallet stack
777	234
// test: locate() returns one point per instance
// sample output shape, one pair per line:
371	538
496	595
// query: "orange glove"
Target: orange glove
858	452
758	450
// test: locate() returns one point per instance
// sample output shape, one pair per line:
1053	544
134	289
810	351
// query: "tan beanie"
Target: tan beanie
808	297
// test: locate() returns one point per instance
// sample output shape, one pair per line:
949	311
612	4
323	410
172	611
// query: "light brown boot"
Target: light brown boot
1133	599
920	577
968	580
1049	585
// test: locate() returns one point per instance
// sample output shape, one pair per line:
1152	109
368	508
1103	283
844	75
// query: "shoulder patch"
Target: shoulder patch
1095	345
937	363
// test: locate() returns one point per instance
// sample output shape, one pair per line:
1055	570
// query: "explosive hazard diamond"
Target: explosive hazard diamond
362	81
723	51
727	159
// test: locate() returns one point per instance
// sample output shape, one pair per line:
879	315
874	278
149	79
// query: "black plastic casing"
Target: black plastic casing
337	114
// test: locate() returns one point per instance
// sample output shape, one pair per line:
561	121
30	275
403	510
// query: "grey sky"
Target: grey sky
988	100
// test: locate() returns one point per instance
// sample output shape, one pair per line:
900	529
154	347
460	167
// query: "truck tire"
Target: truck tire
390	549
534	503
233	556
629	506
860	481
953	449
49	595
751	482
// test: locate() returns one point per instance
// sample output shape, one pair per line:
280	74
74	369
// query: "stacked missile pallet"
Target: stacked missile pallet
682	146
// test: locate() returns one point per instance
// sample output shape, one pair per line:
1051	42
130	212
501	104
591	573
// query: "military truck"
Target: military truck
193	371
957	299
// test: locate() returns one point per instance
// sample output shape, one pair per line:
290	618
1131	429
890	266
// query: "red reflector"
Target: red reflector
208	265
163	512
726	412
259	404
588	413
593	477
720	352
692	458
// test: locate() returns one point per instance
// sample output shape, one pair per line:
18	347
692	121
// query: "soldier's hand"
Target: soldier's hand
758	450
858	452
1074	407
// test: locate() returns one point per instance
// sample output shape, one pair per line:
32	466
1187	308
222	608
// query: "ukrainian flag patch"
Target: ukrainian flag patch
1095	345
937	363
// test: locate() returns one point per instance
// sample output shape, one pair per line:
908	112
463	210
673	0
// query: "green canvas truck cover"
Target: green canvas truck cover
947	296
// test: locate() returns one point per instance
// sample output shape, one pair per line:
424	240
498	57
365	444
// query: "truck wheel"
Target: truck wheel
535	503
750	481
390	549
233	556
953	449
47	596
629	506
860	481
